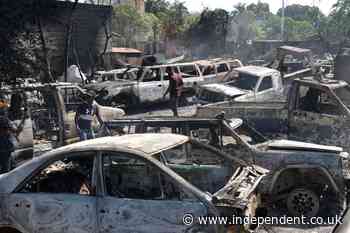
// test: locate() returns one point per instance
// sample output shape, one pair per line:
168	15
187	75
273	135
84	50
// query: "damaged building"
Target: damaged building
46	37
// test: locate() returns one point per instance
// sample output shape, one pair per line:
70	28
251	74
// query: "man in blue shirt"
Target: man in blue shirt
84	116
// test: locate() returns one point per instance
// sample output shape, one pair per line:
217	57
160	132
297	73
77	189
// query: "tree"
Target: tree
131	25
210	31
339	20
261	10
294	29
156	7
300	12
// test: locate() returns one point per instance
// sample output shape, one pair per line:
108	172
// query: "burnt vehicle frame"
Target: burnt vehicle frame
49	110
288	161
317	110
32	201
147	84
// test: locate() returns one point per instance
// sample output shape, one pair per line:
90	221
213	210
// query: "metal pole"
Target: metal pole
282	21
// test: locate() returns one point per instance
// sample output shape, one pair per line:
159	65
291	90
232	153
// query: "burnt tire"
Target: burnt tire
303	202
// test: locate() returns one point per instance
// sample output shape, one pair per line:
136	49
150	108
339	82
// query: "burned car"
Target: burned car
147	85
316	111
297	169
133	183
245	84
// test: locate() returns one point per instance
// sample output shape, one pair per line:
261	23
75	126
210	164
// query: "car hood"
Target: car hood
227	90
110	84
296	145
239	189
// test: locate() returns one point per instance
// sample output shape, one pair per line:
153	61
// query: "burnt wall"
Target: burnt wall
90	25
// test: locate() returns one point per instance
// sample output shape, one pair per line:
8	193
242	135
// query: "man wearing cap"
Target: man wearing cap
8	133
85	115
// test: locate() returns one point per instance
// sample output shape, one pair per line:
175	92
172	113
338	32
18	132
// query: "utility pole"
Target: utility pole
282	21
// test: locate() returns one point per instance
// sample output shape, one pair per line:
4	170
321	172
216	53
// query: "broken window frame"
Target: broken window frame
337	103
61	157
261	82
161	176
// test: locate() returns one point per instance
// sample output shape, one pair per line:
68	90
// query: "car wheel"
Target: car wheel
303	202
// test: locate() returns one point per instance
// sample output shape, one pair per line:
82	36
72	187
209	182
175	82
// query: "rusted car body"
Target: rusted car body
295	167
317	111
217	68
133	183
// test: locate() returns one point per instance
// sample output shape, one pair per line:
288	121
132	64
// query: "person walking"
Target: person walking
84	116
174	89
8	134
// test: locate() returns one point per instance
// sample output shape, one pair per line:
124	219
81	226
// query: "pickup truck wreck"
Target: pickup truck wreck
152	183
317	110
49	111
297	169
246	84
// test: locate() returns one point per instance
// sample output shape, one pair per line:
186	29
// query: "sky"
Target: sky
198	5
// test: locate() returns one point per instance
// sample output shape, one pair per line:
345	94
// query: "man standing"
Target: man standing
174	89
85	115
8	134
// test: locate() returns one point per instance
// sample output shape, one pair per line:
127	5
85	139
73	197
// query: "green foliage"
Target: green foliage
261	10
301	13
132	25
294	29
340	18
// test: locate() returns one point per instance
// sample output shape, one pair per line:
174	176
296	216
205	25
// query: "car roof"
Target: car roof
148	144
144	144
255	70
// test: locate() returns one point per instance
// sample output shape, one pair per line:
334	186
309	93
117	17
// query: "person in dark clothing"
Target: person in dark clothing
8	134
174	89
85	115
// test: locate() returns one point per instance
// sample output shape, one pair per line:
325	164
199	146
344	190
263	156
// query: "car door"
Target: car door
221	70
59	197
140	198
264	89
72	98
150	87
313	116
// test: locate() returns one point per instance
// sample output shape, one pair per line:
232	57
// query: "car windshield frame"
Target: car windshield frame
346	100
242	83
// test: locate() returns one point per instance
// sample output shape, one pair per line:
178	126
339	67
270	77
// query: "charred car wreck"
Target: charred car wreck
147	85
131	183
297	169
317	110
